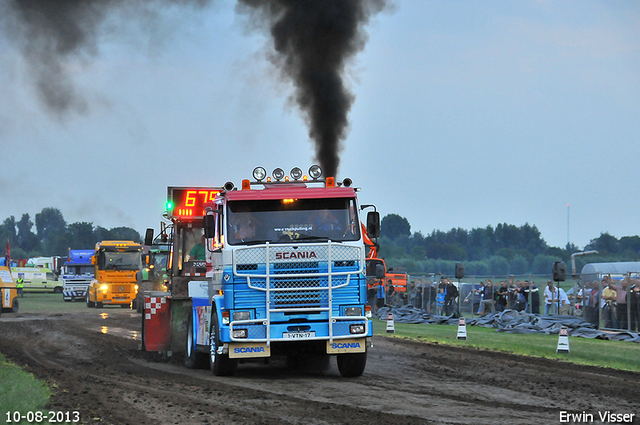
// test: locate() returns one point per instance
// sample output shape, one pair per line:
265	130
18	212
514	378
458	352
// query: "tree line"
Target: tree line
53	236
503	250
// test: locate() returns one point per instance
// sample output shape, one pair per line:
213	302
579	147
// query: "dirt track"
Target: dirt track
106	379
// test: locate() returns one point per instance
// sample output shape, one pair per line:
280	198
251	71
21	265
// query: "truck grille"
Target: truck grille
298	275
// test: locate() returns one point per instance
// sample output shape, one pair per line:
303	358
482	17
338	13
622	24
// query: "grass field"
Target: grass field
19	391
593	352
39	302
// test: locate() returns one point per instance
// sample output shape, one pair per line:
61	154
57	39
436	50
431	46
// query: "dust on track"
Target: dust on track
92	361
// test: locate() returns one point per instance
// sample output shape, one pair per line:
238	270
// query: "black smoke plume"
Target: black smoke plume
54	34
313	41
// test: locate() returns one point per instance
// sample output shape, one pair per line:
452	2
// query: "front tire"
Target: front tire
89	302
15	306
220	364
352	365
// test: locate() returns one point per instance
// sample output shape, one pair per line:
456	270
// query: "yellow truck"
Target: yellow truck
118	266
8	291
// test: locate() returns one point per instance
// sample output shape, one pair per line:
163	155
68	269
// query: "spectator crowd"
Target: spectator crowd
612	303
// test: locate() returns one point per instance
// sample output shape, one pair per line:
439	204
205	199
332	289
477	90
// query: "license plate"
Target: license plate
298	335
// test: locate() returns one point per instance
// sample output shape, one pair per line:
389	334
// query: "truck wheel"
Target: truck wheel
89	303
57	290
193	359
221	364
352	365
15	306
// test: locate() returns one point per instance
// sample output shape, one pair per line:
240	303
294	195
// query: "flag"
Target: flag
7	256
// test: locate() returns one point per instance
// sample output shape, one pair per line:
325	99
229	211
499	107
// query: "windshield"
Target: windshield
119	260
287	220
78	270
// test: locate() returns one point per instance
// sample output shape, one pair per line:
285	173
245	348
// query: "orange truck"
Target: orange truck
118	266
8	291
377	269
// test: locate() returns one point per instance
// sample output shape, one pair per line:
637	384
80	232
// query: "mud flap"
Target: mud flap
180	313
156	322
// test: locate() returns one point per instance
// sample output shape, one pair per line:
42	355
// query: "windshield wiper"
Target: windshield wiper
256	242
313	238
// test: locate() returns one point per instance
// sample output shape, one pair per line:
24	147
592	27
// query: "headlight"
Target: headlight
315	172
136	288
239	333
353	311
278	174
104	288
259	173
356	329
241	315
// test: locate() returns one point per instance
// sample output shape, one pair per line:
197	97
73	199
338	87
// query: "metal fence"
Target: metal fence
572	297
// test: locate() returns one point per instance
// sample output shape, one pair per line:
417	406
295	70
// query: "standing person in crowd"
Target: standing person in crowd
440	302
534	297
621	303
432	293
391	293
550	298
521	296
609	297
563	301
486	305
501	295
634	304
594	305
412	293
450	295
380	295
20	286
584	300
419	293
372	291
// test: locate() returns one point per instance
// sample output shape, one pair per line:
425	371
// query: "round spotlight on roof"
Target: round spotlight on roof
315	172
278	174
347	182
296	173
229	186
259	173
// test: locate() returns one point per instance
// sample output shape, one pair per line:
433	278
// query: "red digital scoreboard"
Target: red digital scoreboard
188	202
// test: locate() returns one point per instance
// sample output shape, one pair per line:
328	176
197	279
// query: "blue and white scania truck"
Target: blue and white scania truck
273	267
76	274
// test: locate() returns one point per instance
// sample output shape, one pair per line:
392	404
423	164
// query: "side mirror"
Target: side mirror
138	276
380	271
148	237
93	260
209	226
373	224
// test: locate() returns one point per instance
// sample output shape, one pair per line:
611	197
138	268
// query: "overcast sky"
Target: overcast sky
466	114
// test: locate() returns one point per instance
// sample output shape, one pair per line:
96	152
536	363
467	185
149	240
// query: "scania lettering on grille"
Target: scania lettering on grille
338	345
240	350
295	255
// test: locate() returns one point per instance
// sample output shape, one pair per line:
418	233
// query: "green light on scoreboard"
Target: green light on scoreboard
169	205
